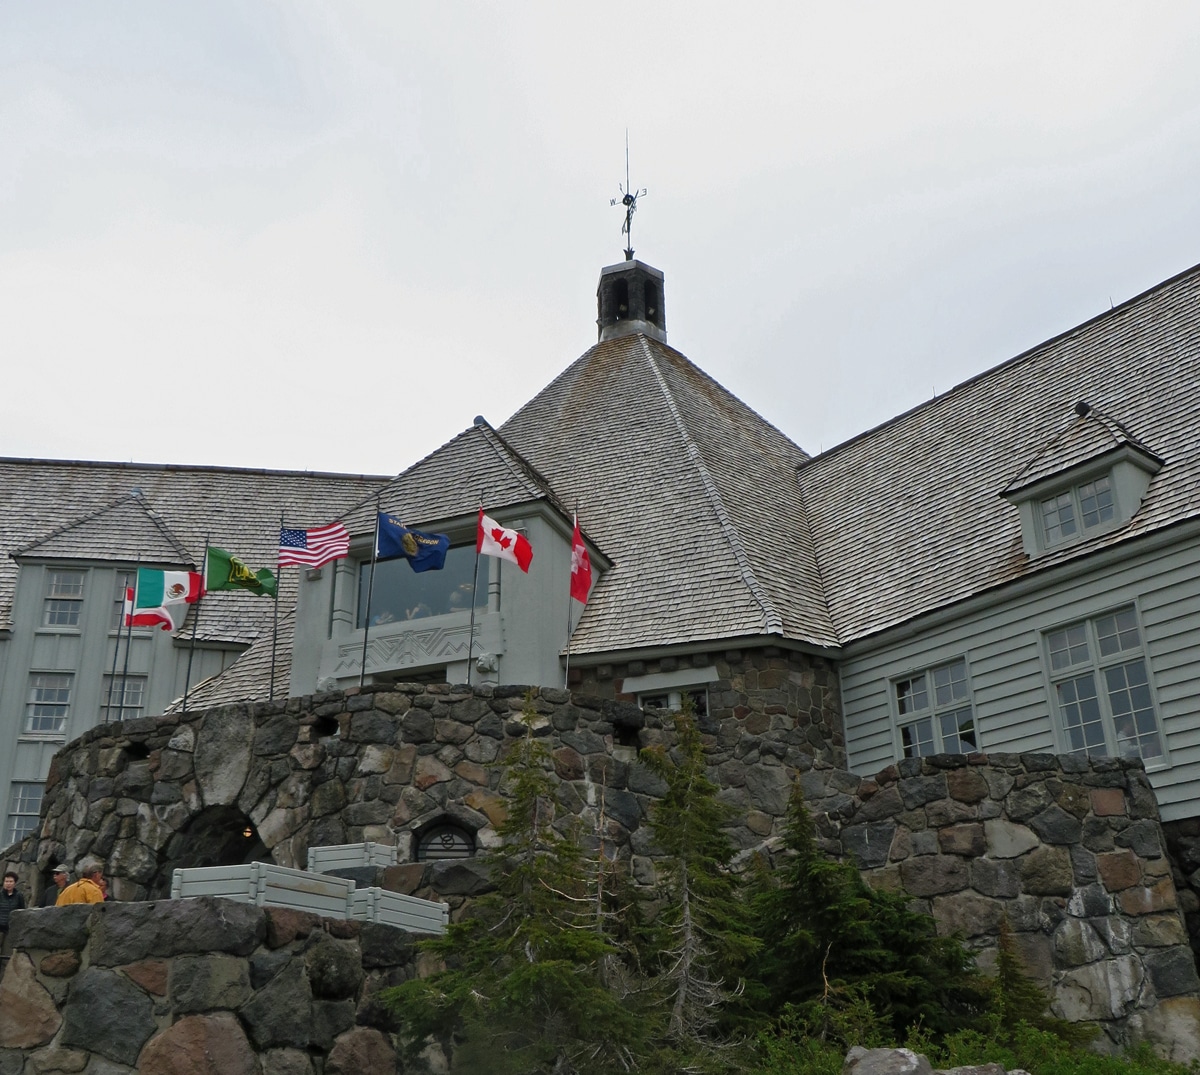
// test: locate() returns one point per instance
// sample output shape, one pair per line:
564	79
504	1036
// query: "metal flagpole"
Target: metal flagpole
362	672
112	679
275	624
128	646
474	591
187	679
567	664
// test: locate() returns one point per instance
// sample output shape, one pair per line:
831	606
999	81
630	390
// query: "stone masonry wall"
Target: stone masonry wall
764	689
189	986
1070	850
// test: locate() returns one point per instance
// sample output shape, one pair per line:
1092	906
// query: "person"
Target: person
87	888
61	876
10	900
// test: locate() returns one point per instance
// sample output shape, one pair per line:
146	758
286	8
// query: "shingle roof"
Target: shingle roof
1086	436
689	492
449	482
248	679
57	509
908	518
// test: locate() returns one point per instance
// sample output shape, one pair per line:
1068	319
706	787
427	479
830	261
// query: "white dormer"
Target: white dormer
1088	480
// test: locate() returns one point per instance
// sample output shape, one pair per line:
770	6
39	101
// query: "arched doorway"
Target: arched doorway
217	836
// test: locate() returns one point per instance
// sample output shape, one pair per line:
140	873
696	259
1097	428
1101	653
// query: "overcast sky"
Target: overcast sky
324	236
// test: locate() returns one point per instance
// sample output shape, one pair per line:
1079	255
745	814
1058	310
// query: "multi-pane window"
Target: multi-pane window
935	712
111	705
24	805
1080	508
49	701
1102	689
64	599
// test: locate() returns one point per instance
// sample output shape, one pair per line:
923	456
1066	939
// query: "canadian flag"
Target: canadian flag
581	567
496	540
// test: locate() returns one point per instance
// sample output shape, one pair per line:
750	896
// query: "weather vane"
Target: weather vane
629	198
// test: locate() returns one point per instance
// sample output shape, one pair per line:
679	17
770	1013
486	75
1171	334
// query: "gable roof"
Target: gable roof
1089	435
52	509
449	482
690	493
908	518
127	529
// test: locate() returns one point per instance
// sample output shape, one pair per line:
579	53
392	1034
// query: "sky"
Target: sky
325	236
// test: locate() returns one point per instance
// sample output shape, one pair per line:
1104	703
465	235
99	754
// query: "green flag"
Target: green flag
226	572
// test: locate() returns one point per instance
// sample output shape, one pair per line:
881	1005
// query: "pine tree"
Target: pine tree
838	952
705	939
524	990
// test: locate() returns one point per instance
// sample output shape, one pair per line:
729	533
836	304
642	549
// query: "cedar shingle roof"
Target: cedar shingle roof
908	518
690	493
448	483
1086	437
76	510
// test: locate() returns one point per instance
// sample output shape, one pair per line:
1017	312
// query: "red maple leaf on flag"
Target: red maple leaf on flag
501	538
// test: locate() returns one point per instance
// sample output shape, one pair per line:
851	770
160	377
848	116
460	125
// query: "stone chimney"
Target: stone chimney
630	300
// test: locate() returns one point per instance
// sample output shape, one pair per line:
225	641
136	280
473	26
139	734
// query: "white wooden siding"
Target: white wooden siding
1002	646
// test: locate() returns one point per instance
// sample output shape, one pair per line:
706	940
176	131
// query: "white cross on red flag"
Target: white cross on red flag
581	567
496	540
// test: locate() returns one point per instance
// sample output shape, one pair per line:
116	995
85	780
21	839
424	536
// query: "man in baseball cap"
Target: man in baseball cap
61	876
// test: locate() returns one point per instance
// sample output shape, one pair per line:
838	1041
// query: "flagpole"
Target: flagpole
187	679
474	593
362	672
275	623
567	663
128	646
112	679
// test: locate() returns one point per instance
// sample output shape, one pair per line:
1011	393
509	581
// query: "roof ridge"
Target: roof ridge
508	455
773	619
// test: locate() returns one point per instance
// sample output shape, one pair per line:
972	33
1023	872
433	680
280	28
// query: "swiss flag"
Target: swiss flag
581	567
496	540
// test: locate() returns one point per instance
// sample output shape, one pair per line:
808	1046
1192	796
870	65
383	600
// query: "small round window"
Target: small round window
445	842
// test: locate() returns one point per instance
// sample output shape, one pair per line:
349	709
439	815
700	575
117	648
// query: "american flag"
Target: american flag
312	548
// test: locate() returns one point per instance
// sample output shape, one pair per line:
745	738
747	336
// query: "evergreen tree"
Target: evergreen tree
524	990
1017	999
837	951
704	936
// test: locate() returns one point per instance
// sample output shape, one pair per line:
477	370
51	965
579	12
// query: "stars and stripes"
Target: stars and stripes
312	548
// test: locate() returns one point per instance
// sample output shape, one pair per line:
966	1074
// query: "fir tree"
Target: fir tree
705	939
837	951
524	988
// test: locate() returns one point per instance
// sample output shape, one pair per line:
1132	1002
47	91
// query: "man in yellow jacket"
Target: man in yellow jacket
87	888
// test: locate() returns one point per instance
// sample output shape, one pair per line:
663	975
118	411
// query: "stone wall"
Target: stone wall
189	986
1070	850
765	690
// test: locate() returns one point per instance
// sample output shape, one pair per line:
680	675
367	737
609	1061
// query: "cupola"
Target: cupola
629	300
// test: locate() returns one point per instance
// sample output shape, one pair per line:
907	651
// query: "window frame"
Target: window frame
17	798
31	701
1095	666
1074	496
57	599
133	709
933	713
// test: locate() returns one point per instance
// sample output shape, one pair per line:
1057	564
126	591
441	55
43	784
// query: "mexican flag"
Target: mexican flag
162	597
226	572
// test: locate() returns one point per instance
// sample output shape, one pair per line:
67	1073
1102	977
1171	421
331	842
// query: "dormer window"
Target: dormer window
1087	480
1082	507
